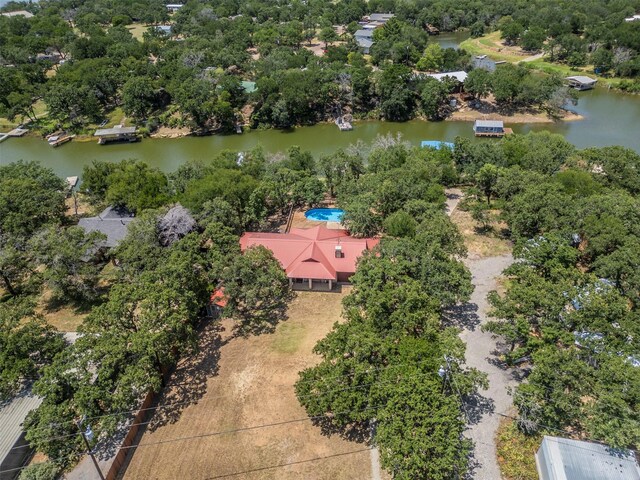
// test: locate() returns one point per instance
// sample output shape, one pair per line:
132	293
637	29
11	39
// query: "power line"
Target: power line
223	432
280	465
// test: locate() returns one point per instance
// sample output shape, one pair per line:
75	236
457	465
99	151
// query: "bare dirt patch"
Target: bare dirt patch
249	382
483	245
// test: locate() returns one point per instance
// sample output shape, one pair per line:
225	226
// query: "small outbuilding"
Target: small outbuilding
581	82
174	7
17	13
566	459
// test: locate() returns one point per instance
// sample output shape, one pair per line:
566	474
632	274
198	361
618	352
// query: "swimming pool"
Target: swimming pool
324	214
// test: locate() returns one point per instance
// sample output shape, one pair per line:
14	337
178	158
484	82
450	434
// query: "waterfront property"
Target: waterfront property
581	82
566	459
313	258
116	134
490	128
111	222
437	144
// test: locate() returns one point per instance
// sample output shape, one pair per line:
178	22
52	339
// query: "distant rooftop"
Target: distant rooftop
459	76
113	223
363	33
489	123
381	17
18	13
566	459
248	86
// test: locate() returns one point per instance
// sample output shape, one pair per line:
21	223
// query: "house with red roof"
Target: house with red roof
313	258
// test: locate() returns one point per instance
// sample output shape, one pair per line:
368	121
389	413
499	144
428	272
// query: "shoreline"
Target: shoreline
516	118
467	116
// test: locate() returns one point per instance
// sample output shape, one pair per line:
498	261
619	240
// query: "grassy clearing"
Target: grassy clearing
138	30
289	338
516	452
491	45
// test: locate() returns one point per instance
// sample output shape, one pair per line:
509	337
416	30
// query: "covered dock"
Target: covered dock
490	128
581	82
117	134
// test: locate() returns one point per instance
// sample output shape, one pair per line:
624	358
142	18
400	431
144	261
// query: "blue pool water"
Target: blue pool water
324	214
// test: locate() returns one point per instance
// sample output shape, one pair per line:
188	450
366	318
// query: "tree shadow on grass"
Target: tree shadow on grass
188	383
464	315
263	320
355	432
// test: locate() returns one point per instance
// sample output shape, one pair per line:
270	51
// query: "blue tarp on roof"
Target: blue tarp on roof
437	144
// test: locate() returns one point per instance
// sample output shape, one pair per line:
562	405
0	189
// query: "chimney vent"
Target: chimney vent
339	253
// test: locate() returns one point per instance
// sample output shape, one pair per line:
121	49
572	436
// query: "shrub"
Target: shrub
40	471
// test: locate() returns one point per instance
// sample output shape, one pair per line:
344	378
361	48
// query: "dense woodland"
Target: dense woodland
192	76
569	312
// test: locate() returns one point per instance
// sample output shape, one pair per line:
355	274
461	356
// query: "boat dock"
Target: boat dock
343	125
16	132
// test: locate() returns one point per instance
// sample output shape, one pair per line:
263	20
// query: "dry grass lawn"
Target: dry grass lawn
236	383
480	245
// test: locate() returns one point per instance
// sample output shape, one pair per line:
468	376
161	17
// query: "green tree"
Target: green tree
66	254
257	289
136	186
138	97
478	83
487	180
432	59
30	196
27	344
327	35
433	97
400	224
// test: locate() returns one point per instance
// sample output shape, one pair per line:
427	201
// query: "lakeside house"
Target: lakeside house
313	258
566	459
116	134
486	63
112	222
581	82
490	128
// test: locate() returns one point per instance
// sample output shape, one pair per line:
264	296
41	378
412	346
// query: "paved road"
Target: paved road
480	354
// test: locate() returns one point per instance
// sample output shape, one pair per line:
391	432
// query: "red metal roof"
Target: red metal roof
311	252
219	298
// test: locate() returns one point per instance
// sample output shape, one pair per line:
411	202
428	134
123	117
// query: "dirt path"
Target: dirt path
481	346
533	58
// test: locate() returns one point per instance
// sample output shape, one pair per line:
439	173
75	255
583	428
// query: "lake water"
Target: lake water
610	118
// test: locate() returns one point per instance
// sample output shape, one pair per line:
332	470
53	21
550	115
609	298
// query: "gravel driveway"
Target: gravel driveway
483	411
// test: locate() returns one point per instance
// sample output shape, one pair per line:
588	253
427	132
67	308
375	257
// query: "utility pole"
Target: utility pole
89	451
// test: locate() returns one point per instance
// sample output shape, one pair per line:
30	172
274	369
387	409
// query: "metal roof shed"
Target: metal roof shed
566	459
13	450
